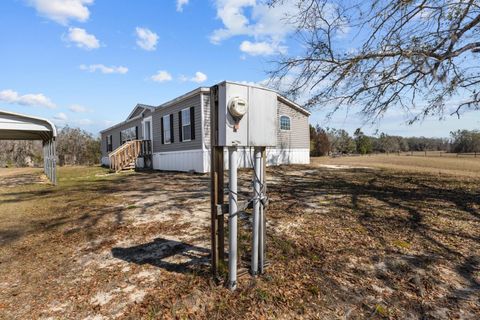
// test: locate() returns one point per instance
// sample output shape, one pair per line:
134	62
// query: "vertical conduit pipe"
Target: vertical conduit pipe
261	231
256	208
232	218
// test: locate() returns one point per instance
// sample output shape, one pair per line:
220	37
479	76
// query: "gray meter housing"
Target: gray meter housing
247	116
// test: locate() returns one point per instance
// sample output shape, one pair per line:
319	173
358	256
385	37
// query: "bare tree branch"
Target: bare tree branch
382	54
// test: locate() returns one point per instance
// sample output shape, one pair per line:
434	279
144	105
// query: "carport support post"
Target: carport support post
50	160
44	158
232	218
54	161
256	208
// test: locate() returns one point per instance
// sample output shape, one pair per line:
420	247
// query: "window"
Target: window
284	123
186	125
109	143
129	134
167	137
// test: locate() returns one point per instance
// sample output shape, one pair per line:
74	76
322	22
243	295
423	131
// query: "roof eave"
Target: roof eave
293	104
121	123
54	129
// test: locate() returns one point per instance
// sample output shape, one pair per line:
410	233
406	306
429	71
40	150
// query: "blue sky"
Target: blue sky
87	63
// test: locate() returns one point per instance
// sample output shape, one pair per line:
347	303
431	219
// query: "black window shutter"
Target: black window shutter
163	138
180	129
171	128
192	122
107	144
136	132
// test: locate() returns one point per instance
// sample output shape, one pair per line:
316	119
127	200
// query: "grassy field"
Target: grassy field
371	237
469	167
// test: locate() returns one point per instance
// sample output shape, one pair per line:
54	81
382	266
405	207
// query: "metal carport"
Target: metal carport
15	126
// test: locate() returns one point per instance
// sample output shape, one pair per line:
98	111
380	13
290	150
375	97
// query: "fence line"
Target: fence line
434	154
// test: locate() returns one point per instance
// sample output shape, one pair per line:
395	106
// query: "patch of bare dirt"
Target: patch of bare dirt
342	243
14	177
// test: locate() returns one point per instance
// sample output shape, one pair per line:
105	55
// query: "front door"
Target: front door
147	130
147	144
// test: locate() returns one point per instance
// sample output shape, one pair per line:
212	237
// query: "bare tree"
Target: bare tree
77	147
420	55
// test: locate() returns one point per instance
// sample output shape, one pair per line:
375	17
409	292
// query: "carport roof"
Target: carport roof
15	126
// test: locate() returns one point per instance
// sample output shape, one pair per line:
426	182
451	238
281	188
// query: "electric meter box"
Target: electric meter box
247	116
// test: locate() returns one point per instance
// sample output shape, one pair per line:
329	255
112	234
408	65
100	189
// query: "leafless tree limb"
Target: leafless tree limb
417	55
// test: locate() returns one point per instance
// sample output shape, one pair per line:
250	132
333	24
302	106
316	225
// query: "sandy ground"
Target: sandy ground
345	241
155	225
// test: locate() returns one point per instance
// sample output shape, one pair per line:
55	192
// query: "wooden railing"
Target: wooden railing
125	156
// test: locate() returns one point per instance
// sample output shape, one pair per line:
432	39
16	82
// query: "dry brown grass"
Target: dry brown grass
343	243
469	167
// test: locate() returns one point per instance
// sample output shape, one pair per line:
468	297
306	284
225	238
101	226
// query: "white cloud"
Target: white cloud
263	22
104	69
146	39
231	12
161	76
78	108
261	48
268	26
82	39
61	11
181	4
60	117
38	99
199	77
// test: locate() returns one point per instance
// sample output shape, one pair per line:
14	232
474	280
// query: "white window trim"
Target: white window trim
169	131
183	125
151	127
280	122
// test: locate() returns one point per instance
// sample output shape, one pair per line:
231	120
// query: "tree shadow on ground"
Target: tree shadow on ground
91	202
406	227
171	255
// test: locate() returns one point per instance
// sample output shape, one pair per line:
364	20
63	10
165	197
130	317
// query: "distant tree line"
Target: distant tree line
74	147
330	141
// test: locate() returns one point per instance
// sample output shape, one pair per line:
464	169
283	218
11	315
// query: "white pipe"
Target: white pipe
232	218
256	208
261	231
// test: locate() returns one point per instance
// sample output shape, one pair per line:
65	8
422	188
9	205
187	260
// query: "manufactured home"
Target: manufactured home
175	135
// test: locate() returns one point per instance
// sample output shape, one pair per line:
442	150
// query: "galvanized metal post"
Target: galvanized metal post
232	218
50	160
261	232
256	208
44	158
54	161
